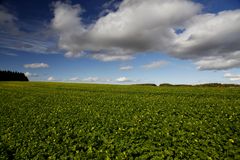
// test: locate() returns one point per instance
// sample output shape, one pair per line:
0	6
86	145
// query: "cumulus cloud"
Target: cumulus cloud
75	79
94	79
97	79
232	77
155	64
123	79
120	34
36	65
144	26
211	40
51	78
217	63
91	79
70	28
111	57
28	74
126	68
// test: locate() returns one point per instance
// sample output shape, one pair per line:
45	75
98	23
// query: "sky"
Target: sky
122	41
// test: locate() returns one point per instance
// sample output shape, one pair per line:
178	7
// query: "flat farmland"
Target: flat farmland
40	120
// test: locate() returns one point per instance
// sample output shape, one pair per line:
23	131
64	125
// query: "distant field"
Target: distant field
87	121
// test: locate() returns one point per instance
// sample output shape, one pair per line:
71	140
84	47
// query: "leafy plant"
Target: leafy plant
88	121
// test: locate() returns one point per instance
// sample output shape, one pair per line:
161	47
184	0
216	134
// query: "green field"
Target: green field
89	121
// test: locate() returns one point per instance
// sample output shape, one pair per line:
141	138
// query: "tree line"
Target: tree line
12	76
189	85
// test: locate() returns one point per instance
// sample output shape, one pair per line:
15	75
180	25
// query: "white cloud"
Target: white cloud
96	79
126	68
232	77
123	79
28	74
144	26
217	63
73	55
92	79
75	79
69	27
51	78
36	65
212	40
120	34
111	57
155	64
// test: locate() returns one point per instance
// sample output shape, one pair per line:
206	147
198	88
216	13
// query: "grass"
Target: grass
40	120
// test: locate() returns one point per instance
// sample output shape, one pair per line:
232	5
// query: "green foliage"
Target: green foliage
86	121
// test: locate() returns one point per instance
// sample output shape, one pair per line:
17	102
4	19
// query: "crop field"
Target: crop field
40	120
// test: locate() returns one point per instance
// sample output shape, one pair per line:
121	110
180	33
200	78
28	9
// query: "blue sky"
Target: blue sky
129	41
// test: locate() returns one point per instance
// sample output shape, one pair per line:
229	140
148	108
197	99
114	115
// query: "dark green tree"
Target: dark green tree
12	76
